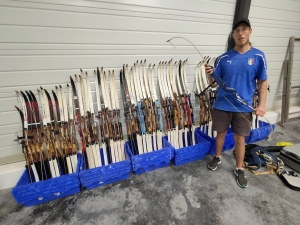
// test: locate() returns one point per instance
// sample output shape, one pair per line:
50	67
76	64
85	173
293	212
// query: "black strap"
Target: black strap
286	182
256	157
268	148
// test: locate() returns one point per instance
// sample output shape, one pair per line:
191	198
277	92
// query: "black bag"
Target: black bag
290	155
258	157
291	179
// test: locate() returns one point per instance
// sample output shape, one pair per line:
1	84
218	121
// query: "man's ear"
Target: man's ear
250	30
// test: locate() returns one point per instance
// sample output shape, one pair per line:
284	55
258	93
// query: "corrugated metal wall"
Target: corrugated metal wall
274	22
43	42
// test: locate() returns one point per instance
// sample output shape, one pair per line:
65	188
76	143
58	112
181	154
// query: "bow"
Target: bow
222	84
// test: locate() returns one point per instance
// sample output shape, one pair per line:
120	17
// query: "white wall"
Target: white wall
43	42
273	23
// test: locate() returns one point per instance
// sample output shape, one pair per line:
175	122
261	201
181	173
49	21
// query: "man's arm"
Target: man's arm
262	91
209	70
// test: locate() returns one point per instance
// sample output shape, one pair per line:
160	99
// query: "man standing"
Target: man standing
242	68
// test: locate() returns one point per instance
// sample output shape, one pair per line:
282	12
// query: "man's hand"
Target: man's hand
209	69
260	111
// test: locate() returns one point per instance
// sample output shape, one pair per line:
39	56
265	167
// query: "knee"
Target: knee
239	139
221	134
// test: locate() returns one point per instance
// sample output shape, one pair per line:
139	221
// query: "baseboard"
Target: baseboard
10	174
275	116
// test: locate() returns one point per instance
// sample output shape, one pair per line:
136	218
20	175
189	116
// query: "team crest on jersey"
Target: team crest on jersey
250	61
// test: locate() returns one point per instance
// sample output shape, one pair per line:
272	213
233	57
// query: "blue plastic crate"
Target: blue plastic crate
151	160
44	191
260	133
192	153
99	176
228	142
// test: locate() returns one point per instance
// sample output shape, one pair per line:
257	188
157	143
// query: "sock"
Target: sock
219	157
239	168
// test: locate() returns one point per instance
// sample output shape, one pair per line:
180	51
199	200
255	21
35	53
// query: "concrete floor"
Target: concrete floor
189	194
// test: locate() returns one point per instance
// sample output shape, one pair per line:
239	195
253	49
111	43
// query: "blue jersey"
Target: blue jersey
240	71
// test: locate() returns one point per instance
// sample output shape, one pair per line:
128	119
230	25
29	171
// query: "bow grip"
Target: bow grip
191	107
230	90
159	115
142	122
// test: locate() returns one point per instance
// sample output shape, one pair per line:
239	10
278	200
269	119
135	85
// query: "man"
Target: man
241	68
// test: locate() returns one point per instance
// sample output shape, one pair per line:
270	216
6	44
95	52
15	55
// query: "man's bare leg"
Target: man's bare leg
239	157
239	150
220	142
213	164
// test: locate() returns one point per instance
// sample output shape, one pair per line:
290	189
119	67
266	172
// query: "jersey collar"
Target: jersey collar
243	52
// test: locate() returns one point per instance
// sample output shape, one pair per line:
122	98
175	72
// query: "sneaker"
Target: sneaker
212	165
241	178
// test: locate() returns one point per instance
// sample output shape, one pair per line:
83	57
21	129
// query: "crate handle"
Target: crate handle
57	194
40	198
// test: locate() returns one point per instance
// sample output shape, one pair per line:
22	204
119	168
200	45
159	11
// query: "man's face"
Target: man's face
241	34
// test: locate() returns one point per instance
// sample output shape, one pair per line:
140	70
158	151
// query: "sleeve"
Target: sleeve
262	67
